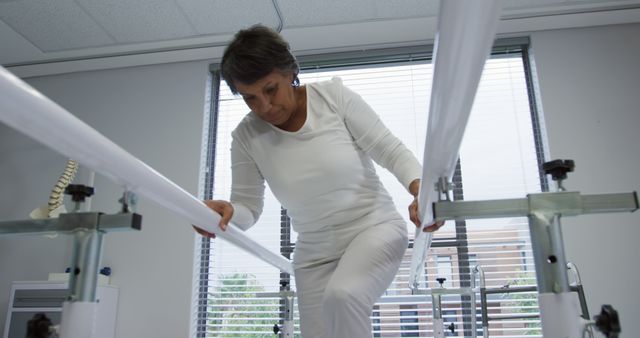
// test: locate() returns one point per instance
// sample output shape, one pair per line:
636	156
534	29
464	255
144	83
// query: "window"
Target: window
375	319
499	159
409	323
449	318
445	270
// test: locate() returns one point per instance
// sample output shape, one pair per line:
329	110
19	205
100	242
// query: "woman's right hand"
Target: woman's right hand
225	209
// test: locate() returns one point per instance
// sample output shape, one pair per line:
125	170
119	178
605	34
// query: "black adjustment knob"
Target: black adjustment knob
607	322
276	329
451	328
78	192
284	285
441	280
558	169
38	326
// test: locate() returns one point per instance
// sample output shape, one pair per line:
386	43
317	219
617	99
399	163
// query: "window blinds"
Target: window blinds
498	159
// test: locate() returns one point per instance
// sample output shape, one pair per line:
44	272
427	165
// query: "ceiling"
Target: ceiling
43	31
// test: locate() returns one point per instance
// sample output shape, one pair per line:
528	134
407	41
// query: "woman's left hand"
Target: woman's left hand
414	216
413	212
433	226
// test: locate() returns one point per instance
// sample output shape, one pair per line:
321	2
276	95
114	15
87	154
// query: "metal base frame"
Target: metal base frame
88	229
544	211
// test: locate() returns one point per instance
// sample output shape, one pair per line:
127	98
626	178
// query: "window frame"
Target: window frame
367	58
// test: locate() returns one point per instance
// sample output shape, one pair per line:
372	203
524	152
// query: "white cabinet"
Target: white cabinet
29	298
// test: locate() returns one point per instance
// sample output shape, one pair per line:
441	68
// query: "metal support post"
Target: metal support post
577	287
287	297
473	313
438	322
79	310
436	303
559	311
88	228
479	273
288	324
544	211
85	265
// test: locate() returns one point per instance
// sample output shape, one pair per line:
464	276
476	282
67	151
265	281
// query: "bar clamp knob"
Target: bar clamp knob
40	326
607	322
451	327
558	169
78	192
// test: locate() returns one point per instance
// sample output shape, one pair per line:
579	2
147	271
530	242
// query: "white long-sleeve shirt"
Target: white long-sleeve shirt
322	174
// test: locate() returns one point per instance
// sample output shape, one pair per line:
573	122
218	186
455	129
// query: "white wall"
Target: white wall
155	112
590	88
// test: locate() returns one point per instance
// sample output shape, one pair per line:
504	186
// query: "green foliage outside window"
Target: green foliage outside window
525	302
235	311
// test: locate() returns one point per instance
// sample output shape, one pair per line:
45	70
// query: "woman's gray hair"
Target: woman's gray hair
254	53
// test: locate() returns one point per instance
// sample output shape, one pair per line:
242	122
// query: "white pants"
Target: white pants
335	299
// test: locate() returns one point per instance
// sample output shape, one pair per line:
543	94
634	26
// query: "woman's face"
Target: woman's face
272	98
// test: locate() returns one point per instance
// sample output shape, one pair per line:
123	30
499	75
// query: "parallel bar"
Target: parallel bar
68	223
515	289
519	316
418	297
28	111
461	210
465	33
565	203
595	204
36	226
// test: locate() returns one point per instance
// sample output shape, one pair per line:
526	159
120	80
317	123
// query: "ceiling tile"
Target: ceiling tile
227	17
140	20
550	4
405	9
35	30
53	25
311	13
328	12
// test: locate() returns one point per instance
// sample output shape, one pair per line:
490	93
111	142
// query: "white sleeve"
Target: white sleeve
373	137
247	187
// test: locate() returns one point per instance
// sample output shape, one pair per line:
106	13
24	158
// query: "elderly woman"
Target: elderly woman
315	146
